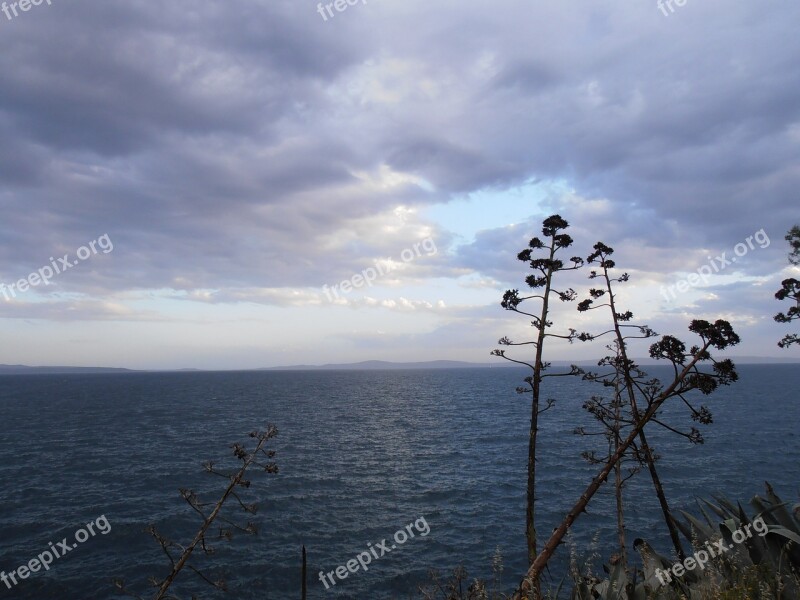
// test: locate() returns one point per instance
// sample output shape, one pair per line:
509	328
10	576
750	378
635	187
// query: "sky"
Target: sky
222	178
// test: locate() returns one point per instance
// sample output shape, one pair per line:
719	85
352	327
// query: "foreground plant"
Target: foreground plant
178	554
790	290
760	560
544	269
628	376
687	378
793	237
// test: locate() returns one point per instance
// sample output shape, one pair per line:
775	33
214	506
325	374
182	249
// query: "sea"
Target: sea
362	455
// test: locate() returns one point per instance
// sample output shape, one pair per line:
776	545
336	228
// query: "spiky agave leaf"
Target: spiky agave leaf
703	532
651	561
717	510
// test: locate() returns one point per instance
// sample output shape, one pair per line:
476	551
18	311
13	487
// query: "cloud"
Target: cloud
256	150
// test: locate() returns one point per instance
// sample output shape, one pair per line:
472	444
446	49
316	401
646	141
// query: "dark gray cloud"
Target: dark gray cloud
235	144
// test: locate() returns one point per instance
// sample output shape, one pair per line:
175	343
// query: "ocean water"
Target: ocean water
362	454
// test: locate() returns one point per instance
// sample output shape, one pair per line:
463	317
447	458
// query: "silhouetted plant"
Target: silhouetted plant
793	237
609	415
456	587
790	290
626	373
178	554
687	377
544	268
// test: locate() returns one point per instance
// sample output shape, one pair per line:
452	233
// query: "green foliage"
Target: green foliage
757	568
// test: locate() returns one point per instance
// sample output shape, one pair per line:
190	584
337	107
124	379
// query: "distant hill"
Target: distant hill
374	365
764	360
371	365
25	370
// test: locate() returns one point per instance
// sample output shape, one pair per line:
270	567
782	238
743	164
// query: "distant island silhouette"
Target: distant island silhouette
367	365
